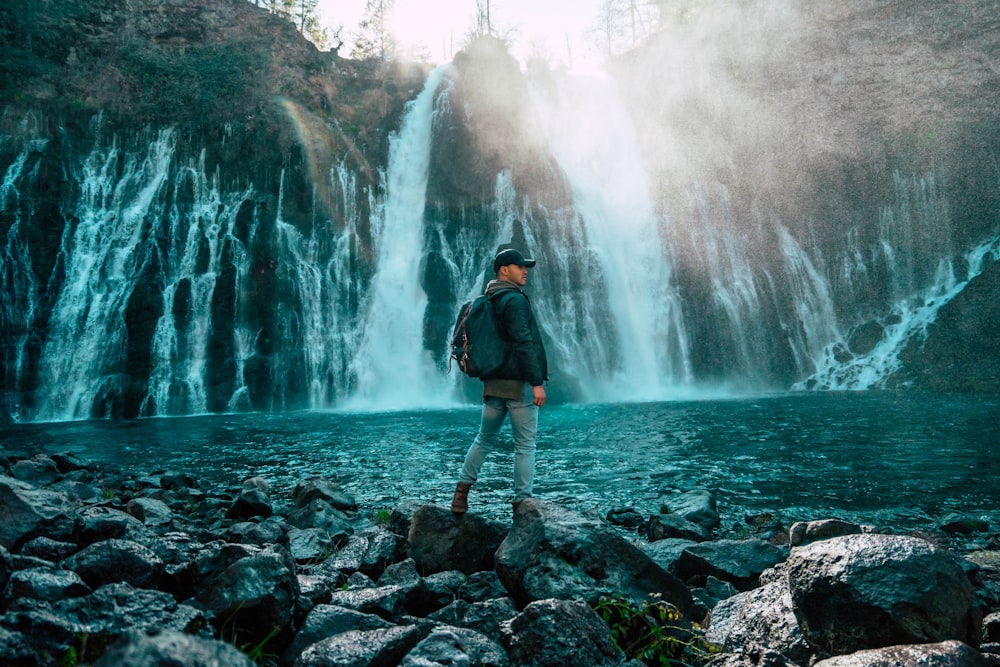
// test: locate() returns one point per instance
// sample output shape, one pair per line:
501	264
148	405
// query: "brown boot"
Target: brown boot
460	502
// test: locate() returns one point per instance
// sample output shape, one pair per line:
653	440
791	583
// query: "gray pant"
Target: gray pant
524	425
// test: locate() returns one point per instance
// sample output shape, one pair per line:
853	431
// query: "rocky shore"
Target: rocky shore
102	568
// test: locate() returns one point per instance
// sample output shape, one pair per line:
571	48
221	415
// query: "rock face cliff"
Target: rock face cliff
197	207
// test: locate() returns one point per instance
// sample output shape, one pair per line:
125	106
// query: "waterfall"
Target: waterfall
592	138
391	368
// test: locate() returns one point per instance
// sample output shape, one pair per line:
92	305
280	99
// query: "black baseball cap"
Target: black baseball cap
510	256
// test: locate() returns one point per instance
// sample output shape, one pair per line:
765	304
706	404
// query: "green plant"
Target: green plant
652	631
382	517
257	653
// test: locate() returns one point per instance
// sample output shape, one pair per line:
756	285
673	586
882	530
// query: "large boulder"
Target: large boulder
326	621
740	562
870	591
553	552
944	654
113	561
556	633
440	540
386	646
321	488
253	596
456	646
157	648
27	512
761	617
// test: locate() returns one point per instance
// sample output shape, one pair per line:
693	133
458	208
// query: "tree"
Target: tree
375	39
624	23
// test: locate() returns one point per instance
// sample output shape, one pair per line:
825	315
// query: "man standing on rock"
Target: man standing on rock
516	389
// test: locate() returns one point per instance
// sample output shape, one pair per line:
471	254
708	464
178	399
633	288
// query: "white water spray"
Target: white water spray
391	368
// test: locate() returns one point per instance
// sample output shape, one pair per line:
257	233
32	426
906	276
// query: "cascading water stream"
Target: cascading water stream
391	368
597	149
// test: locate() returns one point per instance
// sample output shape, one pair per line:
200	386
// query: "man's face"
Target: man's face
515	274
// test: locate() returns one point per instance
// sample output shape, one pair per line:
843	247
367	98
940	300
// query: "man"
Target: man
516	389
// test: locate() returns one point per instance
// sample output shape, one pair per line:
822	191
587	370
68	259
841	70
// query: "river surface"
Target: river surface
893	460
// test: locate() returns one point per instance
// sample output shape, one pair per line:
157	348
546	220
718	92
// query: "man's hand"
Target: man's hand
539	393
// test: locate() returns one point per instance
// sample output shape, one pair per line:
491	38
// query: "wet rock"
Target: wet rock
555	633
965	525
667	551
368	552
253	500
435	592
805	532
440	540
29	512
482	586
552	552
943	654
310	544
626	517
456	646
117	561
403	574
386	601
99	523
43	584
697	506
761	617
489	617
263	533
323	489
16	650
39	470
173	481
6	566
714	591
867	591
991	628
327	620
674	526
48	549
401	516
739	562
150	511
157	648
318	513
254	595
385	646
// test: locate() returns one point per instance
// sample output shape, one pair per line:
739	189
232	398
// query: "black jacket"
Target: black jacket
516	322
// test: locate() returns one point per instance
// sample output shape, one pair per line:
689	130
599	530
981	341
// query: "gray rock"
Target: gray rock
253	500
944	654
112	561
261	533
991	628
456	647
805	532
697	506
440	540
666	551
318	513
43	584
867	591
323	489
761	617
254	595
489	617
368	552
29	512
104	523
386	646
626	517
168	649
482	586
39	470
552	552
327	620
739	562
676	527
48	549
150	511
403	574
310	544
556	633
385	601
16	650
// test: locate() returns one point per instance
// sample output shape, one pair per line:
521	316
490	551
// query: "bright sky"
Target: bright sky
553	28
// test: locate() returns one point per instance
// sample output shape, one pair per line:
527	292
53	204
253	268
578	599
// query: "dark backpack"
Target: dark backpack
476	342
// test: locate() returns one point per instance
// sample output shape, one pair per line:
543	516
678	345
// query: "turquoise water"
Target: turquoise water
893	460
